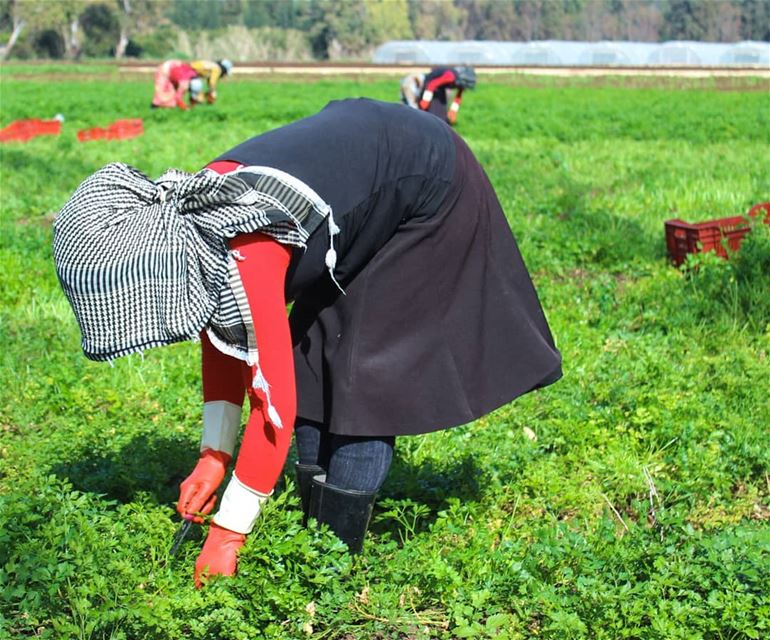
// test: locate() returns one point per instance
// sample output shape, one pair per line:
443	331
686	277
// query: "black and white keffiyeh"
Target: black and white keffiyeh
146	263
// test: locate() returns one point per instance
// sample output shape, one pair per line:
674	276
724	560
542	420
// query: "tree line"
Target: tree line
351	29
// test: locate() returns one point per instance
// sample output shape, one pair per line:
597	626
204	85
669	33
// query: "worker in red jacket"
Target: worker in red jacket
173	79
437	85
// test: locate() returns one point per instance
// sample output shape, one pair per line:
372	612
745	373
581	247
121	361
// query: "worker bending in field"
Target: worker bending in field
173	79
211	72
431	92
413	310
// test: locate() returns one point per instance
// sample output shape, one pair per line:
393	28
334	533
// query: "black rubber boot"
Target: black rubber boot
305	474
347	512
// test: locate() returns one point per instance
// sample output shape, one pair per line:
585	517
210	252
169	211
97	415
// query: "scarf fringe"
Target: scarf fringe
331	254
258	380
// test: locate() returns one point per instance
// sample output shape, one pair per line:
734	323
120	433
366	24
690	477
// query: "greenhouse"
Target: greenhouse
571	53
747	53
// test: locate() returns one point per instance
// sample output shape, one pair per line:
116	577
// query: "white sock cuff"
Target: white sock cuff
240	507
221	424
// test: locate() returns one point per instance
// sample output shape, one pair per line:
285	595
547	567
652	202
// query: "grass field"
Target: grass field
629	500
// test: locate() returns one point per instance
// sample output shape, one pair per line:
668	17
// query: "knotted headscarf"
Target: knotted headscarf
146	263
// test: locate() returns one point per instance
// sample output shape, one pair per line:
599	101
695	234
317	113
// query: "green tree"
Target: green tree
755	19
491	20
256	13
286	13
638	20
197	14
101	28
62	16
437	20
348	28
386	20
686	20
48	43
11	20
231	12
718	21
560	19
138	17
337	27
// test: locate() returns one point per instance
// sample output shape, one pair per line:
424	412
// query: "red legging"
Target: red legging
263	273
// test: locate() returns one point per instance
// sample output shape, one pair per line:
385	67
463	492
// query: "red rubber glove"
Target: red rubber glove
424	104
181	104
196	493
219	556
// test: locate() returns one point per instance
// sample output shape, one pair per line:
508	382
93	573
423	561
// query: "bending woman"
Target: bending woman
413	310
173	79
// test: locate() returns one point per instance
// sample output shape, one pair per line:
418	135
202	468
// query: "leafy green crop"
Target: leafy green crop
629	500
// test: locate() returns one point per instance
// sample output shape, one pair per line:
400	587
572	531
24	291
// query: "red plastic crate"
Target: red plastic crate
712	235
24	130
123	129
96	133
118	130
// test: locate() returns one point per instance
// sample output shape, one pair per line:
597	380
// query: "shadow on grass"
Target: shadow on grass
564	226
599	239
153	465
429	483
432	482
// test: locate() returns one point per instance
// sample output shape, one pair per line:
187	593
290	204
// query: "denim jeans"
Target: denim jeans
350	462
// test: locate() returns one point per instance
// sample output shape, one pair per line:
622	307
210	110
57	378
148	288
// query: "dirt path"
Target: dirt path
707	78
327	69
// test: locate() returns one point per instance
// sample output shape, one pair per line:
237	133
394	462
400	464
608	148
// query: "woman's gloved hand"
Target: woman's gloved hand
197	492
219	556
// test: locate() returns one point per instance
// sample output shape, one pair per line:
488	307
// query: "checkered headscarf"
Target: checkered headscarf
147	263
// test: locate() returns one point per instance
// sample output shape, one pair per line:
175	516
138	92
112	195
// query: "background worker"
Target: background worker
172	81
436	85
211	73
439	323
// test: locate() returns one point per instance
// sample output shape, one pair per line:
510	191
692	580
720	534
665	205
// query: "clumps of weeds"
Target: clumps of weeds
738	287
708	289
75	565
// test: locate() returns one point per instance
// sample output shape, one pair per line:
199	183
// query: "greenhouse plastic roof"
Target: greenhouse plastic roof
570	53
